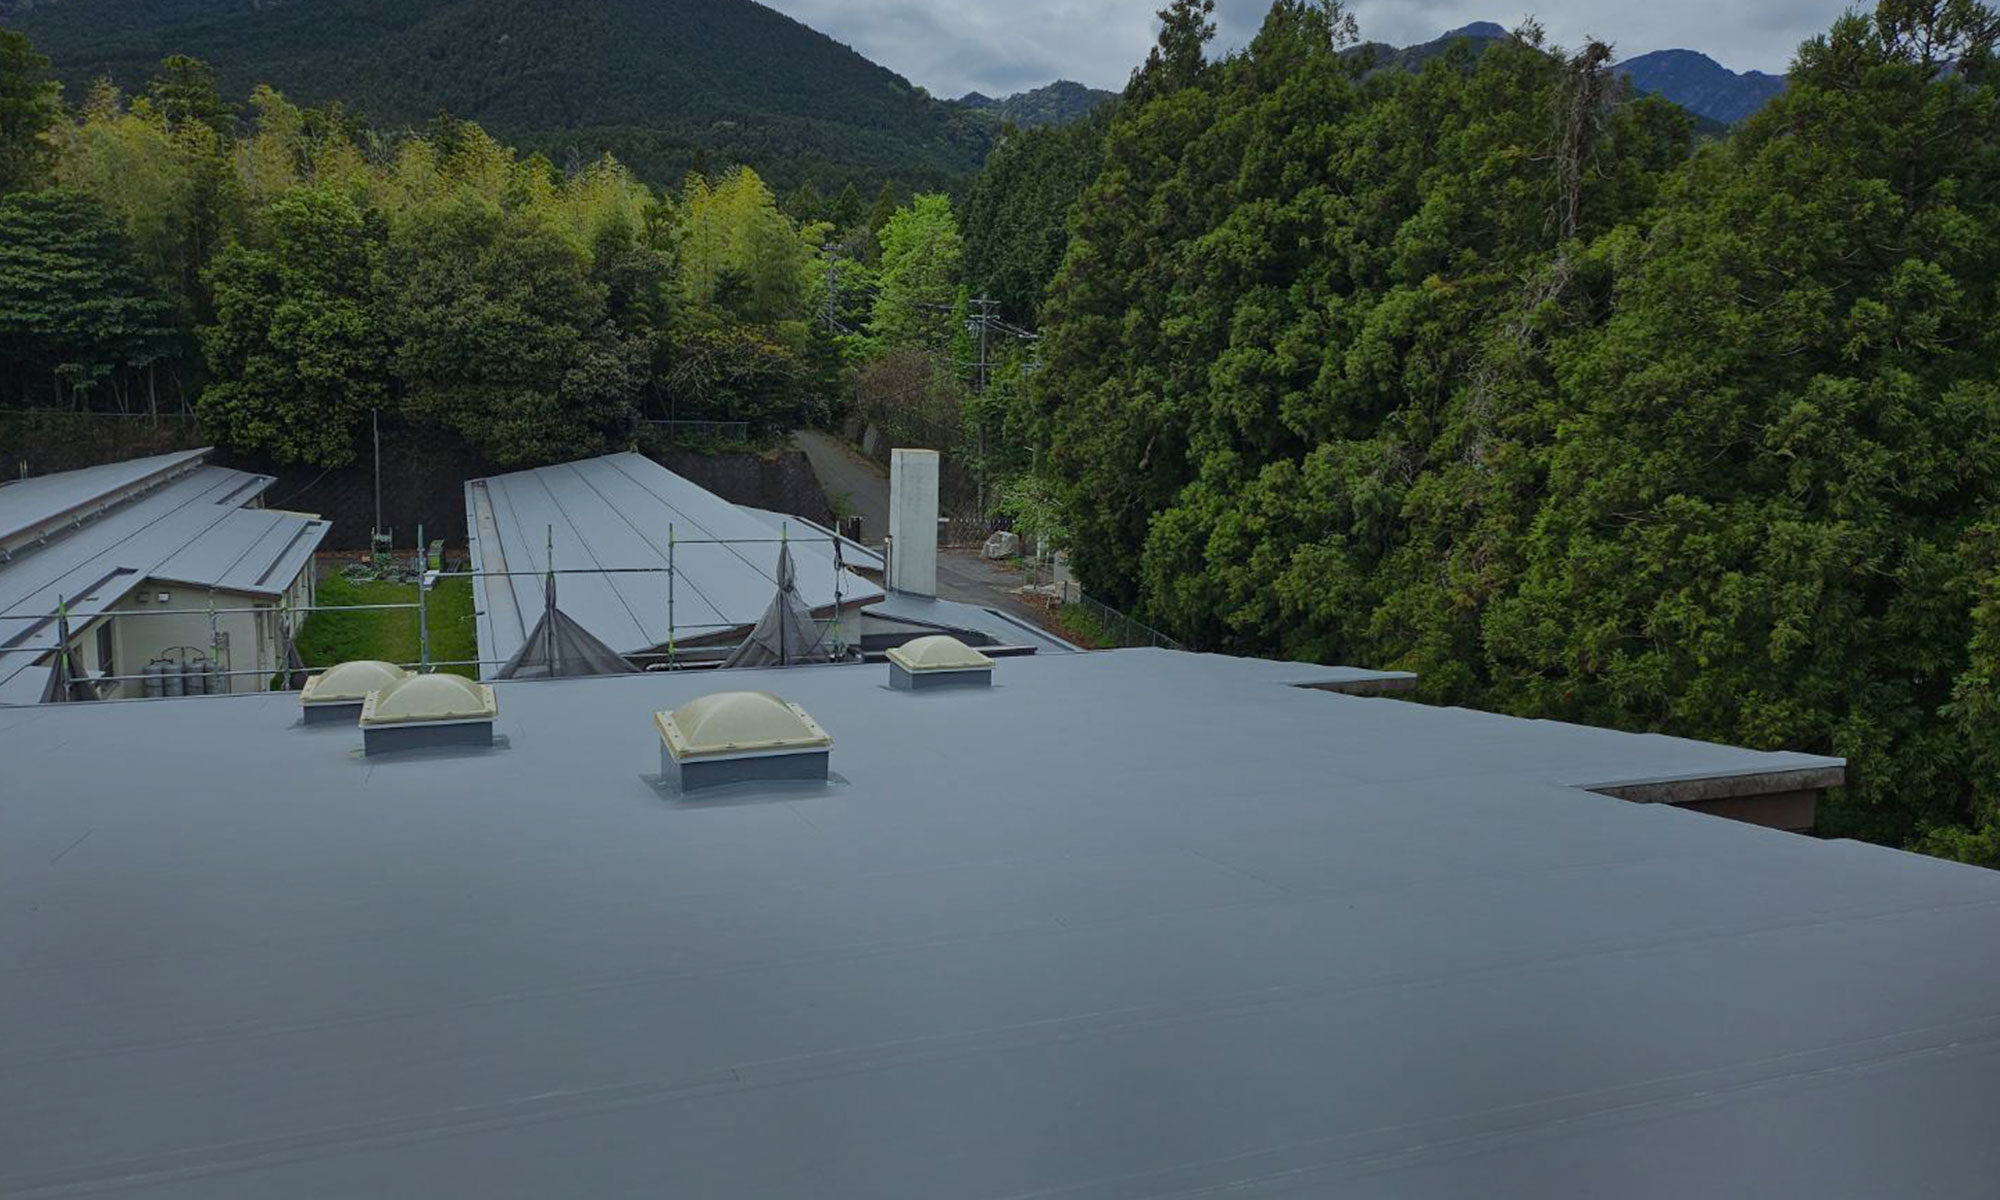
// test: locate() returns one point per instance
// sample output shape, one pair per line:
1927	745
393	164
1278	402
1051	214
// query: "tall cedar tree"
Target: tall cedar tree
30	107
75	311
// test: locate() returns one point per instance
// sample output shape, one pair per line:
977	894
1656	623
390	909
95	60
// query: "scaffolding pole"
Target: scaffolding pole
423	611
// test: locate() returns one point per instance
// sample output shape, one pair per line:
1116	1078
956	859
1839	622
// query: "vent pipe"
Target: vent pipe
913	521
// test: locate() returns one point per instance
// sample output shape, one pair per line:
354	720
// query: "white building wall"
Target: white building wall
145	629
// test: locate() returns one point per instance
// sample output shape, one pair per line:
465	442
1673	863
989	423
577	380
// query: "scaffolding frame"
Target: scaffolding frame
291	618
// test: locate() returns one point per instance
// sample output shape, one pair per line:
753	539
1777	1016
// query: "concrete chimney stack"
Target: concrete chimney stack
913	521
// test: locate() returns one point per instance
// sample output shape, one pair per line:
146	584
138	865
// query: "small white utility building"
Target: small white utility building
135	555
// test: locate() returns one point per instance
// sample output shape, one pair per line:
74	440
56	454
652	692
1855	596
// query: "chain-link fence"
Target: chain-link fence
1099	626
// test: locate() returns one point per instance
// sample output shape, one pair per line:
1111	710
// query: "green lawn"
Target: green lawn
390	635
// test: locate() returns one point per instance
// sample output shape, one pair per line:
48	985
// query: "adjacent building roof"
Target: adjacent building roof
187	525
1128	924
901	611
852	553
614	514
46	502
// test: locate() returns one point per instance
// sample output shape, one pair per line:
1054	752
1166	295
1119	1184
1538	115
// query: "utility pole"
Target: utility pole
375	423
832	305
984	321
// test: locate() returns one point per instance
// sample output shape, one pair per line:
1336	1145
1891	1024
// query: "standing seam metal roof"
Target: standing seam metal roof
613	512
853	553
27	503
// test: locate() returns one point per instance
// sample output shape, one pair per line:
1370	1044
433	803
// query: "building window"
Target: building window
105	660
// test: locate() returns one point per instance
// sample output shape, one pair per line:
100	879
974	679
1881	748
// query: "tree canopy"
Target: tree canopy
285	275
1487	373
30	107
921	253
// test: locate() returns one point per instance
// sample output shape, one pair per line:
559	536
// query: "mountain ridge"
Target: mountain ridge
1702	85
1689	78
667	85
1057	103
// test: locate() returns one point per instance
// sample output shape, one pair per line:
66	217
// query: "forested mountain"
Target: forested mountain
1694	81
1478	36
1701	85
1057	104
668	85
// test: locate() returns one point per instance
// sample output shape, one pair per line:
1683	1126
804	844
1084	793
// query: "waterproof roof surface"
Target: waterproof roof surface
192	530
1034	940
614	513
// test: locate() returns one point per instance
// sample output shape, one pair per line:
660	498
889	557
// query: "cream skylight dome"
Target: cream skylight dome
939	652
426	698
350	682
739	723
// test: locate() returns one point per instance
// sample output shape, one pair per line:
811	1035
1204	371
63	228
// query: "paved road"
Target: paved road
852	482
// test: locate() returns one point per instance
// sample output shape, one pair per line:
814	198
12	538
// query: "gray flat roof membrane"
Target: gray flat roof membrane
1124	925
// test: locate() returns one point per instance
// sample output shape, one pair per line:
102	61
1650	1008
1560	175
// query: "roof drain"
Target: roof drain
741	737
938	661
421	711
335	695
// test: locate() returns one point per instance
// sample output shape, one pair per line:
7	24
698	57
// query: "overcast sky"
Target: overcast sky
1003	46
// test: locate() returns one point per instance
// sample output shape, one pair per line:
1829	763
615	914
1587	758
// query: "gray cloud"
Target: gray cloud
1002	46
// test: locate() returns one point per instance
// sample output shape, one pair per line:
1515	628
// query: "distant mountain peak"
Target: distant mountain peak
1057	103
1701	85
1689	78
1681	55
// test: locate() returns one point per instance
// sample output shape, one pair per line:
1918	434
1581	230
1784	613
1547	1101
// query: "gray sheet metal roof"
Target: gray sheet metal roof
249	550
852	552
192	530
613	512
26	503
923	612
1130	924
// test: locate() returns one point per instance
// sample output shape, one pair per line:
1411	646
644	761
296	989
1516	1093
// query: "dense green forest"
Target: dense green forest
282	273
669	86
1488	372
